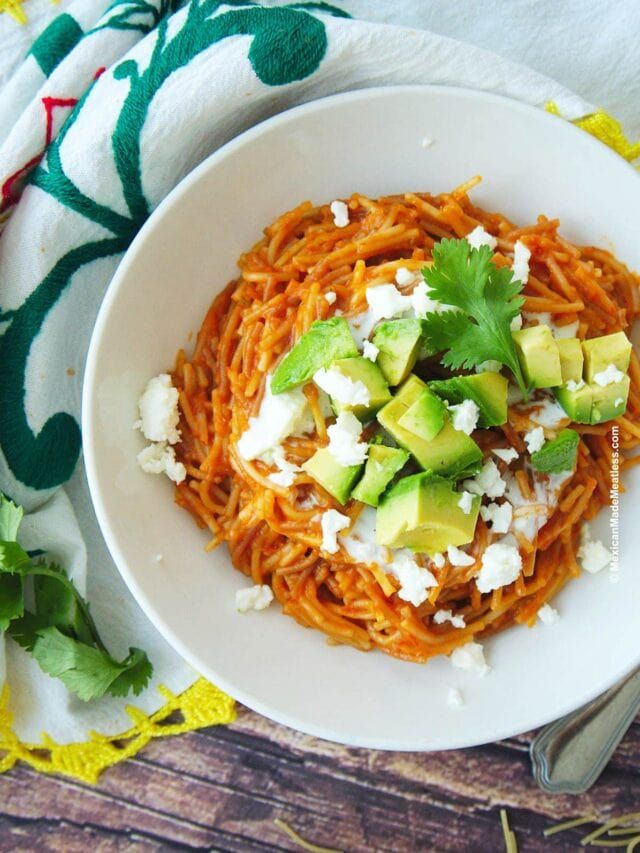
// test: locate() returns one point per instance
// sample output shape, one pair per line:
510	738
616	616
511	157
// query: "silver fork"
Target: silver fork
570	754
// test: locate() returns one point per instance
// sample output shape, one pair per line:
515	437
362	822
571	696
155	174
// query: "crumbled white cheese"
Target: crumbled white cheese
546	412
286	470
498	515
548	614
386	301
340	213
330	297
465	416
442	616
426	142
342	388
160	458
520	266
507	454
470	657
370	351
309	502
534	439
572	385
501	565
159	558
489	366
344	444
457	557
568	331
332	522
454	698
256	597
593	555
437	560
414	579
361	545
479	237
618	401
422	303
159	413
488	482
465	502
280	416
516	324
405	276
608	376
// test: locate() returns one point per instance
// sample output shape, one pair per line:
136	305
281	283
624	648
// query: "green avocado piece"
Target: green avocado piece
383	463
576	402
421	512
609	402
557	455
451	453
399	344
359	369
539	357
334	478
325	341
571	359
426	417
600	352
487	390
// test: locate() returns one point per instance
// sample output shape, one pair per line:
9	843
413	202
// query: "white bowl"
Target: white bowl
367	141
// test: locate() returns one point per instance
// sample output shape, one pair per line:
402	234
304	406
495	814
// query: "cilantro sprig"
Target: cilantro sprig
57	627
488	300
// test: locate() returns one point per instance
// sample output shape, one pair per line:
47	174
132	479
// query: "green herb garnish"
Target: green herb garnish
468	279
557	455
57	629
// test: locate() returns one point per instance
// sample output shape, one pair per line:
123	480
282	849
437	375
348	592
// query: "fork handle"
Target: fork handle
570	754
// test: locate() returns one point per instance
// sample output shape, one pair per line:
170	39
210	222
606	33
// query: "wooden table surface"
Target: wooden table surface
221	789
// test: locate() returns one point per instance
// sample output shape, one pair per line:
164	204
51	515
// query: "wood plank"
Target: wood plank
222	788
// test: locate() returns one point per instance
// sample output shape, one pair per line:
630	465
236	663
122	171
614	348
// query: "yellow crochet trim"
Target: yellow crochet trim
14	8
605	128
200	705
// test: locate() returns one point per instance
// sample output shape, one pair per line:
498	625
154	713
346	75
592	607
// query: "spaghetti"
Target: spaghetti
273	533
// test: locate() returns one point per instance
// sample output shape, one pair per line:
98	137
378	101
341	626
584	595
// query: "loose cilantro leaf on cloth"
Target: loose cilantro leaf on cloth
57	628
467	279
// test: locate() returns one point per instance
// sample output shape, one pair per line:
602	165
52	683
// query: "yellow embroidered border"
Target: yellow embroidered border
605	128
200	705
14	8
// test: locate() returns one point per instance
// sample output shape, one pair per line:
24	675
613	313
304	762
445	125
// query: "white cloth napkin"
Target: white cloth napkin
89	199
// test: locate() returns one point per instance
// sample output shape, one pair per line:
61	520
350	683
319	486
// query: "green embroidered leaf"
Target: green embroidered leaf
55	42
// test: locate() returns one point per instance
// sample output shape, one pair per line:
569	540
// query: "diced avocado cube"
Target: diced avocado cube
600	352
383	463
539	357
609	402
333	477
557	455
421	512
426	417
451	453
359	369
571	359
325	341
576	402
399	344
487	390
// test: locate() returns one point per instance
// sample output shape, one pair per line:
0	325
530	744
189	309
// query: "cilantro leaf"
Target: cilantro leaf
10	518
85	670
488	299
59	630
11	599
